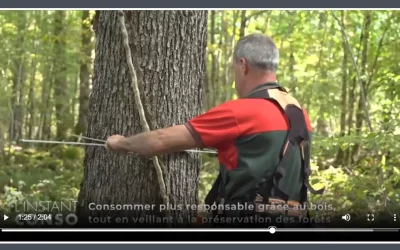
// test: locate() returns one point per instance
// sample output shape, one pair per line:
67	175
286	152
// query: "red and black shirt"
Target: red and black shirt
249	135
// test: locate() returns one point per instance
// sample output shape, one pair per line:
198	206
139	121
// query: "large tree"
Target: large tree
168	51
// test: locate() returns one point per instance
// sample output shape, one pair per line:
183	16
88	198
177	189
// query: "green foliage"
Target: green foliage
363	177
209	172
359	167
42	175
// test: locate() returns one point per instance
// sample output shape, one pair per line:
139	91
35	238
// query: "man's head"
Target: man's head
256	60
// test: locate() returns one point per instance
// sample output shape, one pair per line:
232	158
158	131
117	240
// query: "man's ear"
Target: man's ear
244	66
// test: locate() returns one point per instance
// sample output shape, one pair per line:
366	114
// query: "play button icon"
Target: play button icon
5	217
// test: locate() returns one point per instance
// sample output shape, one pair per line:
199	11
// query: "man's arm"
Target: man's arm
216	126
161	141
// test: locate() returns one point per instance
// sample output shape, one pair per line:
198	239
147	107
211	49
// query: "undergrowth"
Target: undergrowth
371	186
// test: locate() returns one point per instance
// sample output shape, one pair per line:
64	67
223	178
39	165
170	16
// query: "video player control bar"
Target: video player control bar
271	230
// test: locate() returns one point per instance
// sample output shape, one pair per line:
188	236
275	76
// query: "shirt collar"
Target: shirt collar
267	85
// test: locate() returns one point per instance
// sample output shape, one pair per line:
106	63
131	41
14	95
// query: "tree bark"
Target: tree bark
46	107
168	50
229	39
212	91
61	97
84	74
31	101
340	157
351	107
360	115
323	128
19	78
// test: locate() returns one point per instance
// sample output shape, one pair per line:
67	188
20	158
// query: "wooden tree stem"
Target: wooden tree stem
362	88
346	40
139	105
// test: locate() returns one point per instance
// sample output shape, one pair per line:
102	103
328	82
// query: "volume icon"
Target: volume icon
346	217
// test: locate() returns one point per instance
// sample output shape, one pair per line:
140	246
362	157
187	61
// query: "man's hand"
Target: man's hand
114	143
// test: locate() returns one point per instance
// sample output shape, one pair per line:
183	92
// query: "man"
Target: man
261	162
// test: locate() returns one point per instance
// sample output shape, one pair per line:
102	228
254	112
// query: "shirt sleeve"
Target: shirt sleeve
214	127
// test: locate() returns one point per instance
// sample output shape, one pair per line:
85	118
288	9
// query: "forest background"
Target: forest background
350	90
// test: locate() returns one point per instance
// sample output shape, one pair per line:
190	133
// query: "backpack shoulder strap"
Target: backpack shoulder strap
298	136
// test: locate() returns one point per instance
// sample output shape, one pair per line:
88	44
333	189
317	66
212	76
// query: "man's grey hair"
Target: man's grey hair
259	51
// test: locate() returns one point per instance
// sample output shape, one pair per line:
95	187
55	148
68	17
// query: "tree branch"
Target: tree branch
255	14
139	105
380	45
346	40
362	93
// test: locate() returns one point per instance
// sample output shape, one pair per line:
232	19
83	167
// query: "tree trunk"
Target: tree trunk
212	91
243	23
168	51
352	99
322	24
360	115
340	157
46	107
61	98
19	77
31	106
228	52
291	84
322	127
84	75
2	143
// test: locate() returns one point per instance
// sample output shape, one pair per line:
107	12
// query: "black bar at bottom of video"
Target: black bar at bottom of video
199	236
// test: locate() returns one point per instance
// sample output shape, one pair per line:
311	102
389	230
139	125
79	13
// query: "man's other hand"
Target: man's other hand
114	143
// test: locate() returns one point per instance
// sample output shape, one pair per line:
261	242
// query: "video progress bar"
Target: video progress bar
270	230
